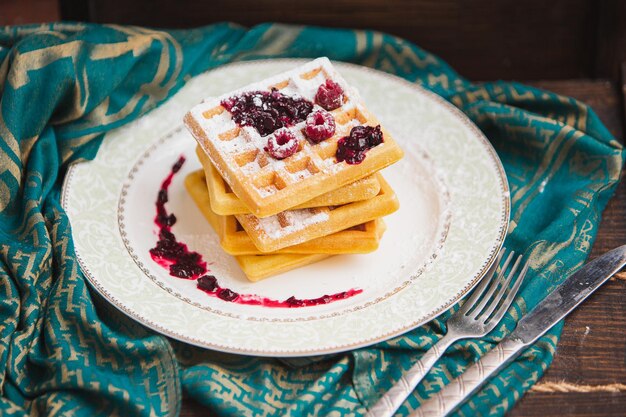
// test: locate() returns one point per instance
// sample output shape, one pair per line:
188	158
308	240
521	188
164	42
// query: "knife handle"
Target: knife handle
389	403
455	393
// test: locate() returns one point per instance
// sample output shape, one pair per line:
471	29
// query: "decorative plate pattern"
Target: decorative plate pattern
453	218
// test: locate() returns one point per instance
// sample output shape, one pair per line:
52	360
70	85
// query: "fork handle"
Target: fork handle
454	394
393	399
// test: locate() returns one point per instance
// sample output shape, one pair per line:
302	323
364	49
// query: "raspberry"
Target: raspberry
282	144
329	95
320	125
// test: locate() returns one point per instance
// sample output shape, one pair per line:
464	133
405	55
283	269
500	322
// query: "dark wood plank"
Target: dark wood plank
611	39
192	408
623	84
76	10
19	12
484	40
592	350
592	404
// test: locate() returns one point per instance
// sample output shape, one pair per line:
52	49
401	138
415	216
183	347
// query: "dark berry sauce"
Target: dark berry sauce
176	257
352	148
267	111
169	252
209	285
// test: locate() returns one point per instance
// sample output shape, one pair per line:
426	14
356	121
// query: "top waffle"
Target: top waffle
268	185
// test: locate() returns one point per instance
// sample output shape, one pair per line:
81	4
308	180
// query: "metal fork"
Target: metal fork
478	316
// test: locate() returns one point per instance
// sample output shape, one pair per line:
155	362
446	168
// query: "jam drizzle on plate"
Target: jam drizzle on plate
169	252
183	263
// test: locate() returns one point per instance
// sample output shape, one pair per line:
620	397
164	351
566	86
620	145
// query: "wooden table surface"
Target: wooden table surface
588	375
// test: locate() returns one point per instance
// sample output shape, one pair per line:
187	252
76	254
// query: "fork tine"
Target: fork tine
495	300
483	284
504	307
494	284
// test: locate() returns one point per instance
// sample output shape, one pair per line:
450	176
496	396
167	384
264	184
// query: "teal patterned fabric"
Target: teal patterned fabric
64	351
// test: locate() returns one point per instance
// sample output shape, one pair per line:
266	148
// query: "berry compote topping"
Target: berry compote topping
267	111
320	125
169	252
282	144
352	148
329	95
183	263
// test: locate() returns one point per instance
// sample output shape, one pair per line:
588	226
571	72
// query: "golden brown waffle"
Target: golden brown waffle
257	267
224	202
269	186
292	227
363	238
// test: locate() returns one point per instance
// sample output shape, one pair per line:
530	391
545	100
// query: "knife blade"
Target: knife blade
552	309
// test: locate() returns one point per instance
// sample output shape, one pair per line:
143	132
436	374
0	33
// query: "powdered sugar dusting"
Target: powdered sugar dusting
251	167
297	219
299	175
249	138
222	122
304	88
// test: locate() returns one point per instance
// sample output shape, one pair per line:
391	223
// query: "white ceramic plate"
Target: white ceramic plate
453	218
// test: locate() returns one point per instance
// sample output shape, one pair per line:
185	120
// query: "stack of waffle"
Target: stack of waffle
276	213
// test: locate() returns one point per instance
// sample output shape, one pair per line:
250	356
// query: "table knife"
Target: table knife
558	304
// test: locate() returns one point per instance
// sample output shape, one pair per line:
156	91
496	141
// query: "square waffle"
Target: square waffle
257	267
224	202
267	185
292	227
234	240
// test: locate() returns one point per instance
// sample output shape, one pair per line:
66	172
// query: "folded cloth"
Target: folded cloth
65	351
